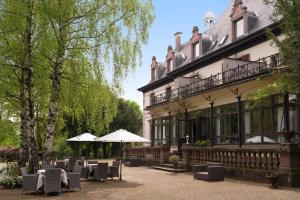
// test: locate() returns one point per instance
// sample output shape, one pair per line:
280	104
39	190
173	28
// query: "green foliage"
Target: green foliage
174	159
61	147
203	143
9	177
287	14
9	133
129	117
102	38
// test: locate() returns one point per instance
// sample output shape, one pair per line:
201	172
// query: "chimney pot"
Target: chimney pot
195	29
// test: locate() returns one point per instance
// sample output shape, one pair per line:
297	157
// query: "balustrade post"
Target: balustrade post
186	156
289	169
164	153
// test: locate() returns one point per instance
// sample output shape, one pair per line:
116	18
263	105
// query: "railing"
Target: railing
141	152
248	70
263	159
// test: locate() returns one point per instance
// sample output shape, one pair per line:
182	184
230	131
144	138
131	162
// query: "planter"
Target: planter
273	180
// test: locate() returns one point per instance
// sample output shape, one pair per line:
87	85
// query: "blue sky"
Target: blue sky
171	16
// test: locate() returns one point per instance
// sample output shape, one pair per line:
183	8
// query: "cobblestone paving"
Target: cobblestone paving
142	183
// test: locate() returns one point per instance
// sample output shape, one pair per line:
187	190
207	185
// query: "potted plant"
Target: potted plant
149	159
174	159
203	143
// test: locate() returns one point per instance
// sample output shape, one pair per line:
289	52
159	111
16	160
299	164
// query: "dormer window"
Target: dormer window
196	50
239	28
170	65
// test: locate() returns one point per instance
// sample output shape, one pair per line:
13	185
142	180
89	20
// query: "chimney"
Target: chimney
154	63
178	40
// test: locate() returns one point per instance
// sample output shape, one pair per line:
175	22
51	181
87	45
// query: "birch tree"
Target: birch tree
105	32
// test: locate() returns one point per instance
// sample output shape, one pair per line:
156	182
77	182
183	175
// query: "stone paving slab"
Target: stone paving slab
142	183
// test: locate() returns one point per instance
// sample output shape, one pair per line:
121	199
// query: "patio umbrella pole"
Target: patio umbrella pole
121	157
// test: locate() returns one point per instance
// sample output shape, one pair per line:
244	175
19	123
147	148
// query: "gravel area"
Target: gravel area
142	183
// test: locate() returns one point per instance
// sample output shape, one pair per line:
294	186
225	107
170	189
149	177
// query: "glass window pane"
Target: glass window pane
196	50
256	120
267	121
279	119
239	28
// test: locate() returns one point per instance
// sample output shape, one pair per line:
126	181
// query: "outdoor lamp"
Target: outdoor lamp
187	139
164	140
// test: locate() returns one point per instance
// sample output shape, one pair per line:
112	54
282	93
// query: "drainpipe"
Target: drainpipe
240	121
212	123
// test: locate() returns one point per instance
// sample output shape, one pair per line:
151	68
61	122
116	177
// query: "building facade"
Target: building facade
203	90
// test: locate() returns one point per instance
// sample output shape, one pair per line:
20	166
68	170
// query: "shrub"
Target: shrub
9	181
203	143
174	158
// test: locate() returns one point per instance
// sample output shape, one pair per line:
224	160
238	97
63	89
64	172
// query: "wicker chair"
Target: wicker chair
52	181
114	170
92	162
80	162
209	172
29	182
101	171
48	167
73	181
60	164
83	171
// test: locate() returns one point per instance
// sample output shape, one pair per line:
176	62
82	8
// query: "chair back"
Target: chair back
92	162
24	171
77	169
101	171
52	181
80	162
60	164
116	163
48	167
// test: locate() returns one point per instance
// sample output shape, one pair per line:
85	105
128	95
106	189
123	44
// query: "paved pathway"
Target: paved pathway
142	183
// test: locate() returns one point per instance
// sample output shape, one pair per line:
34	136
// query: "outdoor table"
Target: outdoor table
41	174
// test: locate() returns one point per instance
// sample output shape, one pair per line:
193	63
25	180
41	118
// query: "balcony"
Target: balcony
234	73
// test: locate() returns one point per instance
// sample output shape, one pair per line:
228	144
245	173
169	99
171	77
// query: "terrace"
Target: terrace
237	71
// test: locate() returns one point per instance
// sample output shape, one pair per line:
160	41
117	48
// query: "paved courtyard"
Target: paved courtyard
142	183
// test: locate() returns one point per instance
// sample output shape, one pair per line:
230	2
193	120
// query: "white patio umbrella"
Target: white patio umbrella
122	136
85	138
257	139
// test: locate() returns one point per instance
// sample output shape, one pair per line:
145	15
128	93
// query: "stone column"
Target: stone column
164	153
289	169
186	156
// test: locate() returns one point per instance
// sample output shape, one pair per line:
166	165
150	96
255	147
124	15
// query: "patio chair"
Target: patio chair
133	161
71	163
101	171
60	164
114	170
48	167
73	181
29	182
52	181
92	162
83	171
209	171
80	162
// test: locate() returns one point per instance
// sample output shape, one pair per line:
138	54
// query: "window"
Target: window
168	93
239	28
152	99
223	40
196	50
170	65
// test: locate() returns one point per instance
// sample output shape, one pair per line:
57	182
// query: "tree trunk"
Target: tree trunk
54	98
28	123
23	133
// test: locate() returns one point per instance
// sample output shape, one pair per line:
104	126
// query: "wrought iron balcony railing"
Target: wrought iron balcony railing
234	74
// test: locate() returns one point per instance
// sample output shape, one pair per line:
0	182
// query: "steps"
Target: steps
169	168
